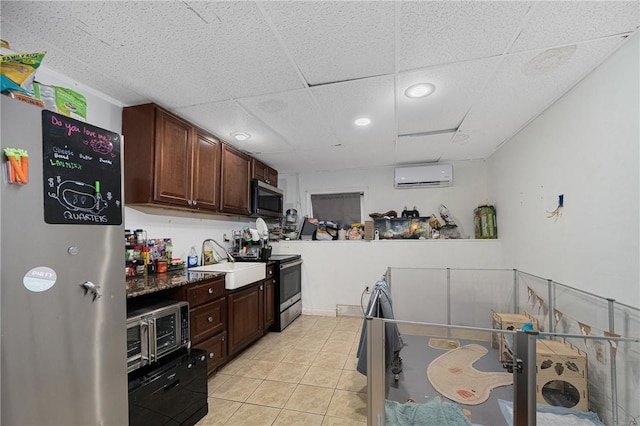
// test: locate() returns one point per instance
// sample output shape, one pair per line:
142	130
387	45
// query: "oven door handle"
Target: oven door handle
144	338
290	264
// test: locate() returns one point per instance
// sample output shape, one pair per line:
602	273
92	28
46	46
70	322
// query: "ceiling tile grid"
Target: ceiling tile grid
295	116
239	51
422	149
334	41
526	84
342	103
289	162
457	87
296	74
347	157
226	117
588	20
435	33
65	64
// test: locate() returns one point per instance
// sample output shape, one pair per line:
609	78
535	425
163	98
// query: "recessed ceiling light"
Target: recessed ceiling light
363	121
420	90
241	136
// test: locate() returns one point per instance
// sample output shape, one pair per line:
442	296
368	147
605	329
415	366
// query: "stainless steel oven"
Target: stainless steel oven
155	330
288	292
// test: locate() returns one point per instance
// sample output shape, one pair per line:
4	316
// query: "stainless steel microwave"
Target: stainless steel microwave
155	330
266	200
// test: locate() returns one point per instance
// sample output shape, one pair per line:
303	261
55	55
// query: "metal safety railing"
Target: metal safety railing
524	366
605	330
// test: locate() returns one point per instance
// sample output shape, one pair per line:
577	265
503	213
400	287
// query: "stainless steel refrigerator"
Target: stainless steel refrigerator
63	346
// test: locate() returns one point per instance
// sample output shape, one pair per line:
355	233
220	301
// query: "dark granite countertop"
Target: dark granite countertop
139	286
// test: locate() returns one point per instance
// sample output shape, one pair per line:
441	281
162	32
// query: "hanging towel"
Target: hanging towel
380	306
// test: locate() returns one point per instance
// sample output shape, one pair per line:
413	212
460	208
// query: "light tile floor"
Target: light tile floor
304	375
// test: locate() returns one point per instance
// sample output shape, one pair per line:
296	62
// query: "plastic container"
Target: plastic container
484	218
192	259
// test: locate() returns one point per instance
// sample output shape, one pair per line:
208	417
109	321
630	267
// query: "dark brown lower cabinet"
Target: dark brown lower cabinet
207	318
224	322
216	348
245	317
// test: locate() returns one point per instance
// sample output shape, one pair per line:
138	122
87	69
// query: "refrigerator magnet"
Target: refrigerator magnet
39	279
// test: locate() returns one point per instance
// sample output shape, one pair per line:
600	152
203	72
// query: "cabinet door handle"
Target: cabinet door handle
261	287
273	281
194	202
270	272
211	291
210	319
211	355
189	202
222	339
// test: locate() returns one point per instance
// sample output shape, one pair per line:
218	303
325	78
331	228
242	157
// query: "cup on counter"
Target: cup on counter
342	234
162	266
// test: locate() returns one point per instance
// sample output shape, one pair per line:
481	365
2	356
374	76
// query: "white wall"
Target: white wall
585	146
336	272
468	190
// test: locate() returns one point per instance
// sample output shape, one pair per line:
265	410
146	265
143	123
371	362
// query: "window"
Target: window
343	208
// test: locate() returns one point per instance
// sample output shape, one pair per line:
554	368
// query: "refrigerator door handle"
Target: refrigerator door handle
94	289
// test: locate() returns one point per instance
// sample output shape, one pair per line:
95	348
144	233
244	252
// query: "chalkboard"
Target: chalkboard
81	172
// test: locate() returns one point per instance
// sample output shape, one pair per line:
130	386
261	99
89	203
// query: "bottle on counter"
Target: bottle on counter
192	259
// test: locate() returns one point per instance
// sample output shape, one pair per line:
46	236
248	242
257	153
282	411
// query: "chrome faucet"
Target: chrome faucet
229	256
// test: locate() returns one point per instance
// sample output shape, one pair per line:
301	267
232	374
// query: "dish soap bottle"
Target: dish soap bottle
192	259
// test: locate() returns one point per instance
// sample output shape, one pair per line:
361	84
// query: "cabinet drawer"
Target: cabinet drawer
206	292
216	348
209	319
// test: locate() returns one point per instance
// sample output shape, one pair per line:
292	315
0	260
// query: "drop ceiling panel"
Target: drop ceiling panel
347	158
335	41
526	84
290	162
295	116
433	33
342	103
469	149
421	149
241	66
589	20
457	87
226	117
61	61
238	50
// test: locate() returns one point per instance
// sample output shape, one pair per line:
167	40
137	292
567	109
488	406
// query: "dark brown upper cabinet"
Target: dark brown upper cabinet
169	161
262	172
236	173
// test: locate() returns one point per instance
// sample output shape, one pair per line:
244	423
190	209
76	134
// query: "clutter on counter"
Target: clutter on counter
411	225
145	256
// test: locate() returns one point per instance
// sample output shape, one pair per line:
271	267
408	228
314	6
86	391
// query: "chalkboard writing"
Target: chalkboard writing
81	172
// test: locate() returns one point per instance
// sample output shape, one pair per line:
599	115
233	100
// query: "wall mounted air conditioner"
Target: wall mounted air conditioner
423	175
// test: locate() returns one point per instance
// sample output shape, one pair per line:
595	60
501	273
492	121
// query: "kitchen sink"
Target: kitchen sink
237	274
